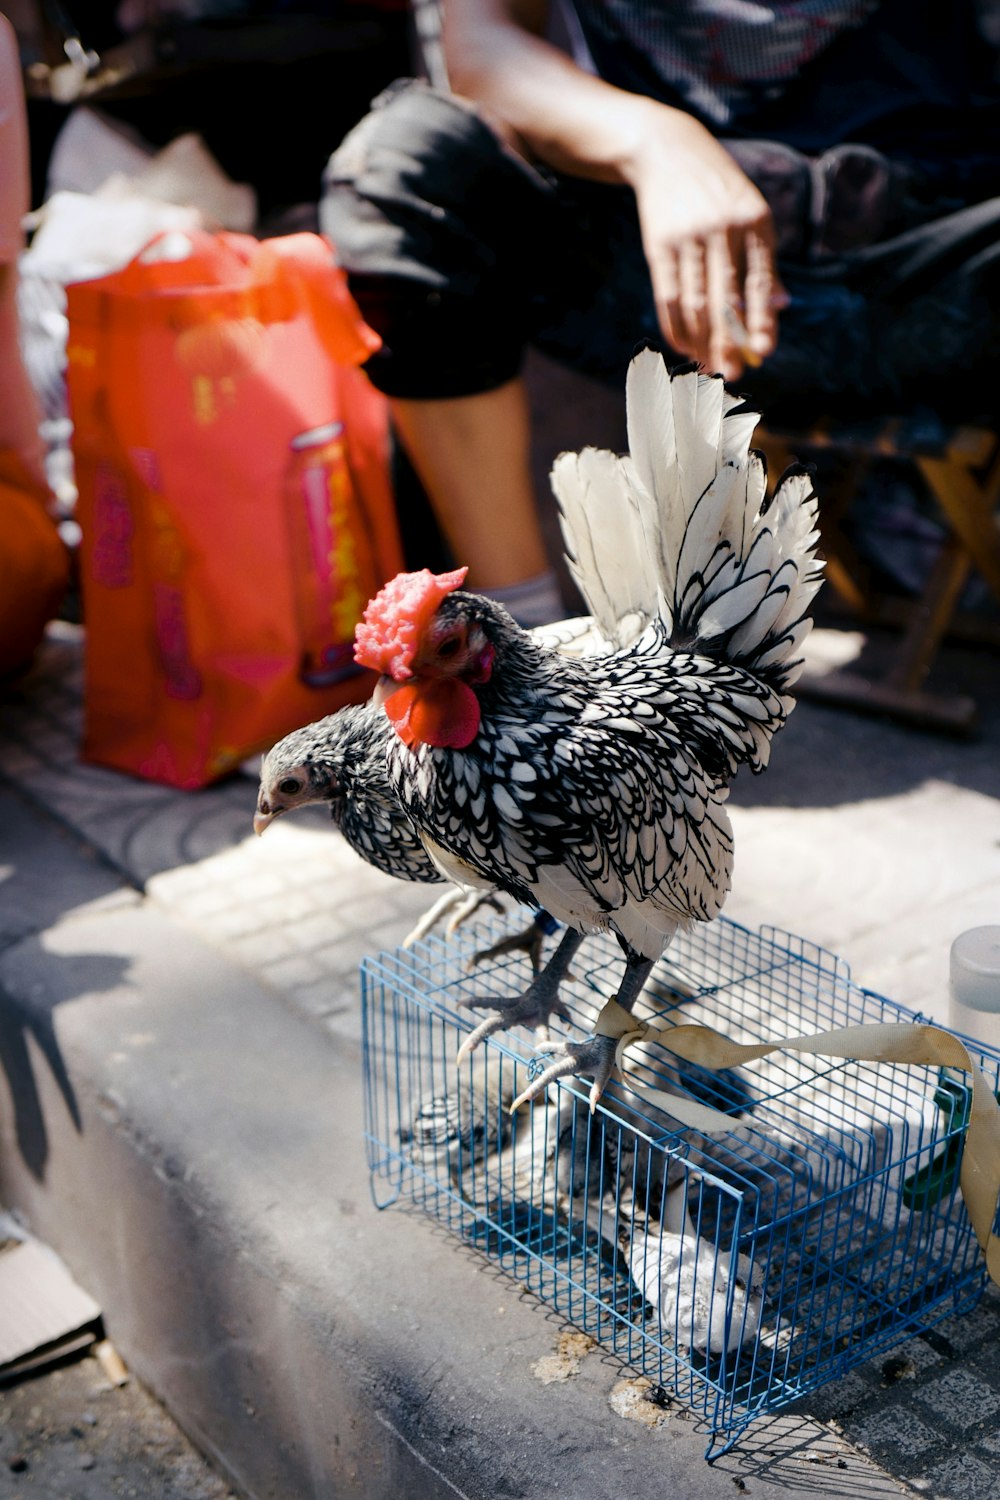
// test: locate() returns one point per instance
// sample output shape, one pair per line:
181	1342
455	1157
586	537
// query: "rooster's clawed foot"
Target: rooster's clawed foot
595	1056
535	1007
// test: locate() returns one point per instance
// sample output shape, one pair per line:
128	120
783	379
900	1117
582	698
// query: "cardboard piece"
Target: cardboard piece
44	1314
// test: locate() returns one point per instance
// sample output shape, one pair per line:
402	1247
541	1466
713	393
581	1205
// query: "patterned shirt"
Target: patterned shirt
810	72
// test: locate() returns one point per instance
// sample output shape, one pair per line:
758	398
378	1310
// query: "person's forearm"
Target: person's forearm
558	114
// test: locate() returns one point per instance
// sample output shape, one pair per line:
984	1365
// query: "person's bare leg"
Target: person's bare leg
473	457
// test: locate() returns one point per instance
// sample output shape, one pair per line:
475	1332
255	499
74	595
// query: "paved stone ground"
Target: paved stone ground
71	1435
875	841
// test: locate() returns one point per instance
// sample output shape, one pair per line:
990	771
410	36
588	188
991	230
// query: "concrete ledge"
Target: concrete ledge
192	1146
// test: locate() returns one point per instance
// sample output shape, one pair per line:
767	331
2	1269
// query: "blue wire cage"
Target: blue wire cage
739	1270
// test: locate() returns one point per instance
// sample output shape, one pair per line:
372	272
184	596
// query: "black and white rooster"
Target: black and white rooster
595	787
341	761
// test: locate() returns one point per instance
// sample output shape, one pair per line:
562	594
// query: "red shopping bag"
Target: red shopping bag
232	464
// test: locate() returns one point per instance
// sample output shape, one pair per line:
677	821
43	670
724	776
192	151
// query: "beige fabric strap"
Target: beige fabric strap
896	1042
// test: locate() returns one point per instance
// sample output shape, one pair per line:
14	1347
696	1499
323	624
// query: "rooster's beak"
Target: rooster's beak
384	688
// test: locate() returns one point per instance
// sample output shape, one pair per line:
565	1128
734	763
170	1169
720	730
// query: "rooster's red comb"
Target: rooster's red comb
393	622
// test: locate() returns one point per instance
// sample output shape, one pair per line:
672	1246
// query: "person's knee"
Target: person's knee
405	149
421	187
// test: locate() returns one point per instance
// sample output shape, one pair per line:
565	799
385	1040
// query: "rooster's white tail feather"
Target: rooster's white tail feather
605	543
680	529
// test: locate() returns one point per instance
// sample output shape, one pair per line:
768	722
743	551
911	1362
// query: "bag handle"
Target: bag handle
269	281
186	259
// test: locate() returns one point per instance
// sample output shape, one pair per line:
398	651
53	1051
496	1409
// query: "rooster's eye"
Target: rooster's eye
449	647
289	787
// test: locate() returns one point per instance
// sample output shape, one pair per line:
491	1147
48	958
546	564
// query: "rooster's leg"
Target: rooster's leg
539	1002
596	1054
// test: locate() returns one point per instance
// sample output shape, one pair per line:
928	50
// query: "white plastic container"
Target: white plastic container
975	984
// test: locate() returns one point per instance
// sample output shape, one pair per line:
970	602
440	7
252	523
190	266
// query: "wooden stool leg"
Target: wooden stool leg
845	572
965	481
898	692
929	616
969	508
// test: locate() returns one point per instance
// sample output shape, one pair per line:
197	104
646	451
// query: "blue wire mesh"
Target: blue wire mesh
737	1271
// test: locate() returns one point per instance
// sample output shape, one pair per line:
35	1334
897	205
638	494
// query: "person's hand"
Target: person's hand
709	242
